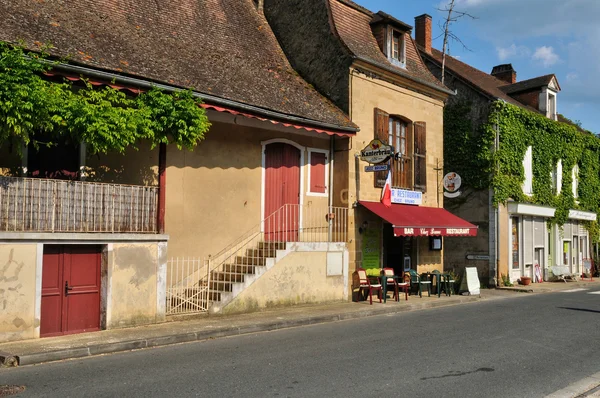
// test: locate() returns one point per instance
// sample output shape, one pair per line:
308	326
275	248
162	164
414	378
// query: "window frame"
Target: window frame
392	34
398	172
327	160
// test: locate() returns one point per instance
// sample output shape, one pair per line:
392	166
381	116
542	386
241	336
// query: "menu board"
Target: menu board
371	248
470	281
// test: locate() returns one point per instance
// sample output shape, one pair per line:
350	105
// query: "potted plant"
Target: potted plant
525	280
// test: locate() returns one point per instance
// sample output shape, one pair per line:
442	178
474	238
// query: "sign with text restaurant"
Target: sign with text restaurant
406	197
415	231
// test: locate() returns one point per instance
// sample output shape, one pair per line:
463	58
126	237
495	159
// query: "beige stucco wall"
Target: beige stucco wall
214	192
133	285
367	94
299	278
504	239
17	291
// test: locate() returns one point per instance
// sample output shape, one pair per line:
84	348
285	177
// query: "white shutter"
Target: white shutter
539	234
528	169
528	240
558	176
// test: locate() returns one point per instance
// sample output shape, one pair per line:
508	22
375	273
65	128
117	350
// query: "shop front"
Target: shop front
405	237
536	245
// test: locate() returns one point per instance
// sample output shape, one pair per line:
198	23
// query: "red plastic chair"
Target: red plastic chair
366	285
398	286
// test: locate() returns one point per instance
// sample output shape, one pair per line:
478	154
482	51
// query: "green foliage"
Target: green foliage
465	152
35	109
472	155
505	280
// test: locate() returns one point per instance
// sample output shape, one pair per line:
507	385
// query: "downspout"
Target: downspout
331	152
497	209
162	187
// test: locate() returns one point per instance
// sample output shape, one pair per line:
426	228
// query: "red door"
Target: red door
282	192
70	290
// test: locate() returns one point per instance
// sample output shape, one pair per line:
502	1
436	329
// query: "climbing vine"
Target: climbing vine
472	154
35	109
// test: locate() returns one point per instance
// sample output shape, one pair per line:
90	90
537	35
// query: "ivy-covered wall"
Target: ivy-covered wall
551	141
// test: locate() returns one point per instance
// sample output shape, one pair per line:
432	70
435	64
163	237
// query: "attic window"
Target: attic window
397	48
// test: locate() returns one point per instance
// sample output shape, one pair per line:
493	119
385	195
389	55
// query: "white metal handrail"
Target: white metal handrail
47	205
193	287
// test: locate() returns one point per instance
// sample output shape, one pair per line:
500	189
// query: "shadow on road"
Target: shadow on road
579	309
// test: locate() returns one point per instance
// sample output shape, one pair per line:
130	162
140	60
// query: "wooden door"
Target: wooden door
282	192
70	289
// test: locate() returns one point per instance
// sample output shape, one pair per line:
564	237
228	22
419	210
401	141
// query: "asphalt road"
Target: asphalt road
523	346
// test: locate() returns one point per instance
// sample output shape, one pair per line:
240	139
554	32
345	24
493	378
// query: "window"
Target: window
397	50
528	171
318	172
552	106
408	167
557	180
401	166
575	182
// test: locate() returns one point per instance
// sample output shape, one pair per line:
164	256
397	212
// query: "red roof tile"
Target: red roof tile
224	48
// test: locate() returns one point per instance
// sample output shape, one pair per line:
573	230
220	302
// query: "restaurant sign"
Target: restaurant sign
406	197
376	152
412	231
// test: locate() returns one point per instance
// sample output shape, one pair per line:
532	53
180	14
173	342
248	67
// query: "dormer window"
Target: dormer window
397	48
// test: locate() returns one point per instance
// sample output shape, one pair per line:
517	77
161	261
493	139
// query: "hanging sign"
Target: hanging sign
377	167
452	182
376	152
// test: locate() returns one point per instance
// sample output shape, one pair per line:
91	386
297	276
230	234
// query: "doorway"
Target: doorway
397	250
282	192
70	289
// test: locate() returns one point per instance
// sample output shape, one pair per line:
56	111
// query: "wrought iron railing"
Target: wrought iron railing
45	205
193	287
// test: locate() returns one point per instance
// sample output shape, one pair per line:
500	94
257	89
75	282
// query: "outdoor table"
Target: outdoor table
384	279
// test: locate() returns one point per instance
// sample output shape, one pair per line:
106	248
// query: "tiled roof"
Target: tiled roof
484	82
529	84
223	48
352	24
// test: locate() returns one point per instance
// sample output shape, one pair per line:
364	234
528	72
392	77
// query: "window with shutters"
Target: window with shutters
318	172
408	168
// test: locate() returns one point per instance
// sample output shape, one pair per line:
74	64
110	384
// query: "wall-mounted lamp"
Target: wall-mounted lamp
363	227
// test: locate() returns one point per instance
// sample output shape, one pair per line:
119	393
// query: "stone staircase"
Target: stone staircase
232	277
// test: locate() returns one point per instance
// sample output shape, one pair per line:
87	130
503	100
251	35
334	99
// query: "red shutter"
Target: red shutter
382	125
420	136
317	172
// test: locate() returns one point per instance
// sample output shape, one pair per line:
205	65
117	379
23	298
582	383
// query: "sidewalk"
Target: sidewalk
205	327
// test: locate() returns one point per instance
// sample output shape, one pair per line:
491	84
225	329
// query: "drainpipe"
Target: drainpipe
497	211
331	152
162	186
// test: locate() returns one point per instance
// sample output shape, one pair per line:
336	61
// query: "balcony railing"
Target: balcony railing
44	205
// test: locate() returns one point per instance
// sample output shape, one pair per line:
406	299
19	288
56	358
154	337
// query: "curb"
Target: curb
13	360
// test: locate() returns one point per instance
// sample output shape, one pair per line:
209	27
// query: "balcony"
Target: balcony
45	205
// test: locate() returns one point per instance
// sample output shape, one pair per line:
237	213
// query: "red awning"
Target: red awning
421	221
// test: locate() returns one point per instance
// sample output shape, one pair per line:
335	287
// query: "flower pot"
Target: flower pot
525	280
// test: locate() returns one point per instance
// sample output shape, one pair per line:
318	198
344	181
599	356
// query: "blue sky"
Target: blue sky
537	37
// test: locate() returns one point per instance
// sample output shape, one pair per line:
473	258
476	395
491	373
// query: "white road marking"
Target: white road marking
579	388
579	289
596	292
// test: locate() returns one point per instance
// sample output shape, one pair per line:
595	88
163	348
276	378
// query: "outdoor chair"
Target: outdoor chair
365	285
418	282
443	282
397	284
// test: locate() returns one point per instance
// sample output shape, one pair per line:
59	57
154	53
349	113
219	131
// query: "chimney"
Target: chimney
505	72
423	32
